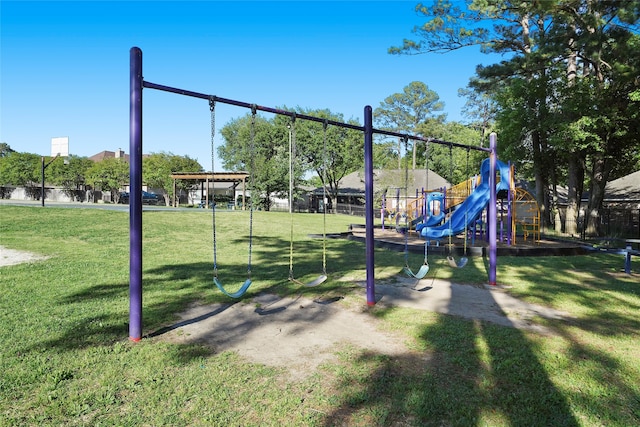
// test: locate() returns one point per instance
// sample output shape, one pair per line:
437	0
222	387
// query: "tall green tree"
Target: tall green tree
601	40
455	164
257	146
157	169
109	175
564	56
481	108
71	174
5	149
385	154
21	170
332	152
406	111
499	26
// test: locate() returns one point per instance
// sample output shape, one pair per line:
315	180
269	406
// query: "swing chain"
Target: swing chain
450	245
212	108
254	109
325	123
406	208
427	211
292	156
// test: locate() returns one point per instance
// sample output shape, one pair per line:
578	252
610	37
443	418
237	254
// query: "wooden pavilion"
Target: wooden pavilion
233	178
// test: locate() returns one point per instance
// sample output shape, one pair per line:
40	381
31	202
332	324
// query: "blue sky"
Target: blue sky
65	67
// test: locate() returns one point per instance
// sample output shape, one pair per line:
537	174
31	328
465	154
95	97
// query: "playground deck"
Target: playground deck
391	239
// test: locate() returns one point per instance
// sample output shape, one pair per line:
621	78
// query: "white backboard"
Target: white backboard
60	146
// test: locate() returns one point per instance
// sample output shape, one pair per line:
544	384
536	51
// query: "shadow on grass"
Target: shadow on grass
171	288
480	373
610	299
472	373
191	321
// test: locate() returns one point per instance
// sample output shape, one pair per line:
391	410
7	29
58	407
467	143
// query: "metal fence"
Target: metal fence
618	222
615	222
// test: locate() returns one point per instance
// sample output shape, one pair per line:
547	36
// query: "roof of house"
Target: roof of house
353	184
624	189
627	187
107	155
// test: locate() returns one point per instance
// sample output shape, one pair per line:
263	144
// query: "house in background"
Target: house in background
120	154
620	213
351	189
623	192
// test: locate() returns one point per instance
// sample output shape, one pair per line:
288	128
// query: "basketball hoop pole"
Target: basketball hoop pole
44	166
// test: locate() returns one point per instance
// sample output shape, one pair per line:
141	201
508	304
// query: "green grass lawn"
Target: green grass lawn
65	357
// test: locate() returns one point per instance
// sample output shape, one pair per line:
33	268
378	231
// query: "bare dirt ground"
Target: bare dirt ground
299	333
13	257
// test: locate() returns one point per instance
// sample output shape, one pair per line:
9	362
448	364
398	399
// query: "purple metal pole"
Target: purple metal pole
510	196
383	208
501	222
492	214
135	191
368	202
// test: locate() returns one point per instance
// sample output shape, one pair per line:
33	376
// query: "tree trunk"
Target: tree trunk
555	207
540	178
575	175
557	219
415	148
596	195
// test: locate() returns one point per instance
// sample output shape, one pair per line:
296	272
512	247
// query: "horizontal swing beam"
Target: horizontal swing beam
250	106
430	140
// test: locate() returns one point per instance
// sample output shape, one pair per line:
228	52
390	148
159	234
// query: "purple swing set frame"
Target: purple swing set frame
137	84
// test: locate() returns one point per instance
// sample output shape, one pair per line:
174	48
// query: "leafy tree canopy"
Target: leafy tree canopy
255	145
5	149
157	169
71	173
407	111
20	169
332	152
109	175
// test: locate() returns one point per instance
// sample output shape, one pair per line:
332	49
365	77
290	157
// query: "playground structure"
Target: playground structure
426	208
462	207
526	215
470	209
137	84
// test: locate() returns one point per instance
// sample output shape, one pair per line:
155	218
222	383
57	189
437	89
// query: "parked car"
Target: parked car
150	198
147	198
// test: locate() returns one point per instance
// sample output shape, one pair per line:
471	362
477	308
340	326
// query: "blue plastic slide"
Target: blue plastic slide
469	210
